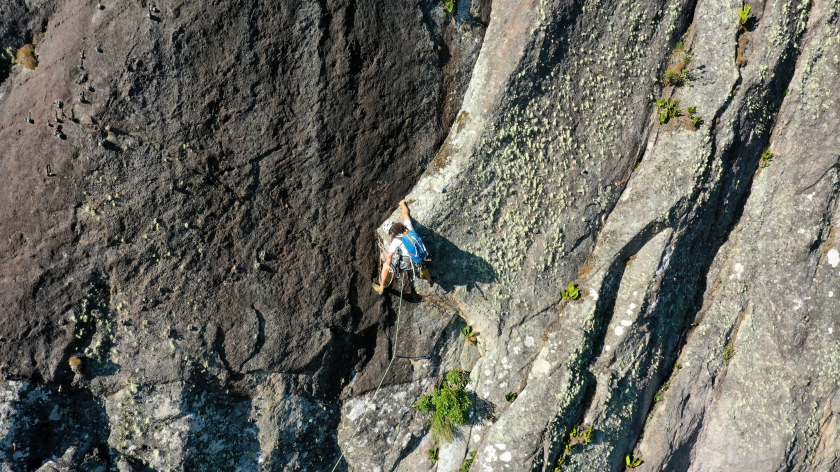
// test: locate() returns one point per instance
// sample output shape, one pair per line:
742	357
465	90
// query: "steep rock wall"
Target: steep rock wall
196	219
707	270
206	236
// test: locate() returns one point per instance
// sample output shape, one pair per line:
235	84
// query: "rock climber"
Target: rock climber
398	248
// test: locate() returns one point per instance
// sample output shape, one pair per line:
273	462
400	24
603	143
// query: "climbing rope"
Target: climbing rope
376	392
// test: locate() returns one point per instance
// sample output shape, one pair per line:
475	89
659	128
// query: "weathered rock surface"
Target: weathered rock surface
205	237
198	214
704	339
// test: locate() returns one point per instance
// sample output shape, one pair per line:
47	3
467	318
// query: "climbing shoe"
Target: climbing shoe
377	288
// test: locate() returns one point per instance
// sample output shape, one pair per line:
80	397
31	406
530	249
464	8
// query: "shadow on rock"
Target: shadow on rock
451	266
484	412
60	427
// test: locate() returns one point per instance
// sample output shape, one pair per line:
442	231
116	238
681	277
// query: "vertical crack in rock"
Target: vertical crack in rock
697	408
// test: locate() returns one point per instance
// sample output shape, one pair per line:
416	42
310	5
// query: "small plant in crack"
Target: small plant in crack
659	394
578	435
448	6
572	292
668	109
632	462
468	333
448	404
677	75
433	455
581	436
510	397
696	120
744	15
468	461
672	77
766	158
729	352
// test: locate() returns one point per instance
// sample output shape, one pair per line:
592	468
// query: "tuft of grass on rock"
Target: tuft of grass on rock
658	396
470	334
765	160
729	352
744	15
572	292
632	462
673	77
668	109
448	404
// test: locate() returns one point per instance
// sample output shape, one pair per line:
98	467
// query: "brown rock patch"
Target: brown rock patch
741	60
26	56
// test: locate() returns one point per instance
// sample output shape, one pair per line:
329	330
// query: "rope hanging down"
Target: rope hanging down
376	392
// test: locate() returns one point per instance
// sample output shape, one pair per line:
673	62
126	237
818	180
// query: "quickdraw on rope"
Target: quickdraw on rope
376	392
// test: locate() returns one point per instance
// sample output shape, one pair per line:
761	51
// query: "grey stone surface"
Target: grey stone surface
379	426
648	358
769	403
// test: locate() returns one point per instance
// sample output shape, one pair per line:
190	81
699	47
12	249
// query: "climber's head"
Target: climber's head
396	228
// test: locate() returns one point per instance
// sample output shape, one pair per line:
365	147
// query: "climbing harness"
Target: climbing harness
387	369
403	265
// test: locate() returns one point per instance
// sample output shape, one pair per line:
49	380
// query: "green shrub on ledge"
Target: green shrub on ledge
448	404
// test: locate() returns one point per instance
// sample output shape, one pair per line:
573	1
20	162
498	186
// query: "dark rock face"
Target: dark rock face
201	206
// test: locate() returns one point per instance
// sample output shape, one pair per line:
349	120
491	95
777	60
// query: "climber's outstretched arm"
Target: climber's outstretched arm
404	208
